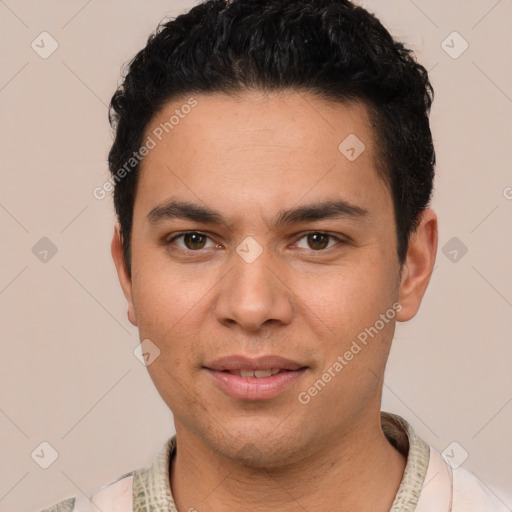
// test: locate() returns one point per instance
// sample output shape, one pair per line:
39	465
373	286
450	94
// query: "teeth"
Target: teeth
255	373
262	373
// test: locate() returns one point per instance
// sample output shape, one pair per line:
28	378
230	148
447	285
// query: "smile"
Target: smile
250	379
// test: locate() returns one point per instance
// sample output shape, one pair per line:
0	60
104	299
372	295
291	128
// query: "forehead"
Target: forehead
292	119
260	147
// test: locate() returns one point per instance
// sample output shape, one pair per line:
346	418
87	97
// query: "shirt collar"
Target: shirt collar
152	491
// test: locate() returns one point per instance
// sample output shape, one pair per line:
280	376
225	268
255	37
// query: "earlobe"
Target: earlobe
122	273
418	265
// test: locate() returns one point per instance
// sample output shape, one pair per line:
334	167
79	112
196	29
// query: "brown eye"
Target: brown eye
194	240
191	241
317	241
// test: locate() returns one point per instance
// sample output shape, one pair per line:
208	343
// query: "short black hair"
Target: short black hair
330	48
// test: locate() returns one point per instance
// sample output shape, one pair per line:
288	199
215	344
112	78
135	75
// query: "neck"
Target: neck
340	476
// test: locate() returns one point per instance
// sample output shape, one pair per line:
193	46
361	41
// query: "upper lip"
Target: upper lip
239	362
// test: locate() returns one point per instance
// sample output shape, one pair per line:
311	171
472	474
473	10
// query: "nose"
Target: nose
254	294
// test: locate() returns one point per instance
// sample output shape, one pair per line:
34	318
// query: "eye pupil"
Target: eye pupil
194	240
318	240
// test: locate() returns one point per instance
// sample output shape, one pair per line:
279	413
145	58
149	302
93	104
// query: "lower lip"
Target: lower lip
253	388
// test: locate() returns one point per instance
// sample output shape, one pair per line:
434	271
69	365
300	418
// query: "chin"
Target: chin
262	448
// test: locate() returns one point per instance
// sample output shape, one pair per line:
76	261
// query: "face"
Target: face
265	272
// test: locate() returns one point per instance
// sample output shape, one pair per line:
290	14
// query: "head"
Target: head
292	139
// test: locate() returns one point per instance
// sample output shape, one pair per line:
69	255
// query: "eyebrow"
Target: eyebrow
333	209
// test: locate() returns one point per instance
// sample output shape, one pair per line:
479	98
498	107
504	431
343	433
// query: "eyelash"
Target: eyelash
170	241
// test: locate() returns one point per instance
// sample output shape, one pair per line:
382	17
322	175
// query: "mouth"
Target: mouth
262	378
240	363
258	374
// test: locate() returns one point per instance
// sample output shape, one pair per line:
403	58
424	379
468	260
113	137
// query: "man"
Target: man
273	168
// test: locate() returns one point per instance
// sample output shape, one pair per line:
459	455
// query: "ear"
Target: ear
418	265
122	272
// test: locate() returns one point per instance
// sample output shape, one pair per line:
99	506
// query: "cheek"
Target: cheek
165	297
349	299
171	308
356	344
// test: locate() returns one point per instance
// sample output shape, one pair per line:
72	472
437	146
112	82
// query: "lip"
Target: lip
238	362
255	388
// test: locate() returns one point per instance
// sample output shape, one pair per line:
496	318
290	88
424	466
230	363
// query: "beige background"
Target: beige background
68	373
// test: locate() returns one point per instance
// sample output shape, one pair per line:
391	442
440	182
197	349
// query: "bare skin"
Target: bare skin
306	297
